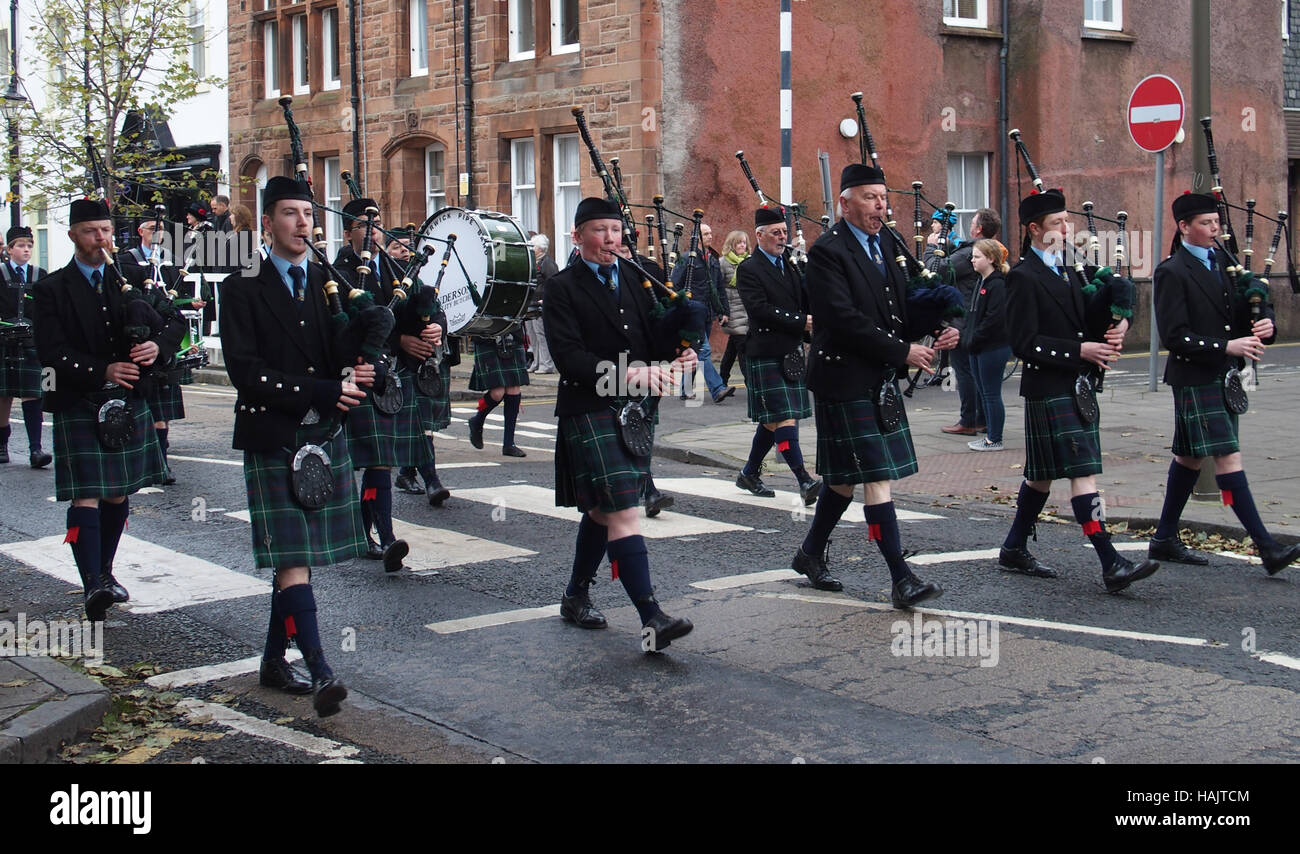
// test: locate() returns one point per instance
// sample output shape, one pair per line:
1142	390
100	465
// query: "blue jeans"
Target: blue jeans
987	373
962	362
711	378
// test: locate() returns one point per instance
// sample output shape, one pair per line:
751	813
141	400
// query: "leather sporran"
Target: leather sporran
889	405
1235	399
313	482
389	399
1085	400
635	430
115	424
428	379
794	366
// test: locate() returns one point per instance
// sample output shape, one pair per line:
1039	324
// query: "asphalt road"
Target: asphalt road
1194	664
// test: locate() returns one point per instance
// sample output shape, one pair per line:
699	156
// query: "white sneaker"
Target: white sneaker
984	445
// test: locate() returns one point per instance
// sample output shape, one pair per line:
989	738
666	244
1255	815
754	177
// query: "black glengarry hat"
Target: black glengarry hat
768	216
595	208
1038	204
1191	204
88	210
280	189
857	174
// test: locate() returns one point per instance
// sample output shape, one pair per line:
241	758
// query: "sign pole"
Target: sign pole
1156	237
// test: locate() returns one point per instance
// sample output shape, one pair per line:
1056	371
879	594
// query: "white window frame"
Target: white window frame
1101	23
512	38
523	195
418	20
259	185
41	232
435	197
557	31
965	212
333	202
301	56
271	59
1286	20
563	242
981	19
329	25
198	38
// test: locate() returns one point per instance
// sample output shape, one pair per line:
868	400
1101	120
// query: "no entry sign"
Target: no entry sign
1155	113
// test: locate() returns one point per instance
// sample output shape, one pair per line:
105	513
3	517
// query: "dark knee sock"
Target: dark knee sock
882	526
276	640
631	564
787	442
512	415
830	507
297	607
587	554
1086	513
1178	488
32	421
112	522
1029	503
377	491
429	468
485	405
83	536
1236	494
162	440
763	441
5	432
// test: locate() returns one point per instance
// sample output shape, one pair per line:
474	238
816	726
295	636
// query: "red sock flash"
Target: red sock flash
290	627
783	445
613	570
873	531
72	535
369	494
1092	527
1227	497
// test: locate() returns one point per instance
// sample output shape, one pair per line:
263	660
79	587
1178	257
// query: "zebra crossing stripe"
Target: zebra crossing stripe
724	490
502	618
212	672
541	501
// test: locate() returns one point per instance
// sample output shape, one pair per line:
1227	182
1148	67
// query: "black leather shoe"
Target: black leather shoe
436	491
97	604
809	490
656	501
512	451
754	485
1123	572
724	394
393	554
169	479
666	629
40	459
279	676
1279	557
913	591
112	586
1020	560
816	570
476	432
1173	551
4	453
373	550
406	483
579	610
327	693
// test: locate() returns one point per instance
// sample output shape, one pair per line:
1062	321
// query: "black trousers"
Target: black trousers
735	350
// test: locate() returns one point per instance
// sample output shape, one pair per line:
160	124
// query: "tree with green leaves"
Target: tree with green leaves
97	61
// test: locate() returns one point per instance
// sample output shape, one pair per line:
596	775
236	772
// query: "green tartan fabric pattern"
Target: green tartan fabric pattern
435	412
771	397
1057	442
165	402
1203	426
375	439
20	372
286	535
851	447
496	369
592	468
84	468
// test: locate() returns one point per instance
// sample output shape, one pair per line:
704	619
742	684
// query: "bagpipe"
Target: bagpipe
798	249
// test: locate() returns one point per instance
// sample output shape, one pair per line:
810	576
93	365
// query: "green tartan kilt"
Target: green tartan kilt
1203	426
165	402
1057	443
376	439
83	468
851	448
496	367
435	412
20	372
771	397
286	535
592	468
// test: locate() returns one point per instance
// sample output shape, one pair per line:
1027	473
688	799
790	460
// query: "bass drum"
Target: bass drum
488	283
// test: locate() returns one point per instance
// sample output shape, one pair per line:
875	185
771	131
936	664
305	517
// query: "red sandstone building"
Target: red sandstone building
675	88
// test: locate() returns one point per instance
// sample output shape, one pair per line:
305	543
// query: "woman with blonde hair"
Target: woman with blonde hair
734	250
988	344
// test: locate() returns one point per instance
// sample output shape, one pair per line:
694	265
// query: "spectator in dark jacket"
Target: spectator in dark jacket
706	287
987	340
542	363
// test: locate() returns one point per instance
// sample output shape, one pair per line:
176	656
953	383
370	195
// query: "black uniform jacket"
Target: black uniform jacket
79	333
860	328
283	357
986	321
777	304
1197	313
13	303
587	331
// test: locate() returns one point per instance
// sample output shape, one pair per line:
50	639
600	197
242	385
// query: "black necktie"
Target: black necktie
299	277
22	275
97	279
1209	255
607	273
876	257
779	265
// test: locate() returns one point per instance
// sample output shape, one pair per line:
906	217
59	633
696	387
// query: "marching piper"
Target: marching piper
20	367
1210	325
500	371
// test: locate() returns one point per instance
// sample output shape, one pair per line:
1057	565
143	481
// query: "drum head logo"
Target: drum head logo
471	256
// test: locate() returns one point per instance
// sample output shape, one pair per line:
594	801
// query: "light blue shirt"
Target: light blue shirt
21	269
776	259
865	240
1202	254
282	267
88	271
1051	259
595	268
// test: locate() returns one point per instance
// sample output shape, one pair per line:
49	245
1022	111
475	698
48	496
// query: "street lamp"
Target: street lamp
12	106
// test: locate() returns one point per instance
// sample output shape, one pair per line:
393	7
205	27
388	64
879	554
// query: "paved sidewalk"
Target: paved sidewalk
1136	432
43	704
